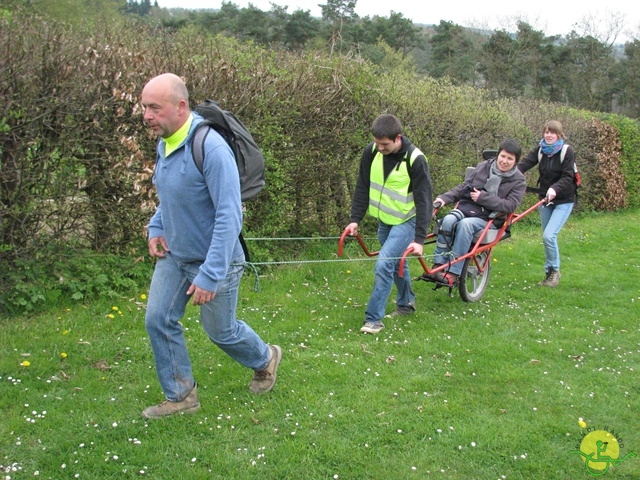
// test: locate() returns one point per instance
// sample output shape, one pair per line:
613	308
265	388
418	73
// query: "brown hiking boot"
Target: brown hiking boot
552	280
543	283
188	405
264	380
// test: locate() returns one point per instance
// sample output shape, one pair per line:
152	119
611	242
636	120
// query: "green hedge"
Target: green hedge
77	160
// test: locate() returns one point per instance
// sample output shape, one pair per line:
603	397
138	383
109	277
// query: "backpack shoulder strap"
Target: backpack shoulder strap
409	158
197	144
197	147
374	152
415	153
563	152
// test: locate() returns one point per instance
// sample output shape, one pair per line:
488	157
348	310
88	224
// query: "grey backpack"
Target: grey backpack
249	158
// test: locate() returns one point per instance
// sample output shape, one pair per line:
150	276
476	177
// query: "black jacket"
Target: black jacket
420	186
553	174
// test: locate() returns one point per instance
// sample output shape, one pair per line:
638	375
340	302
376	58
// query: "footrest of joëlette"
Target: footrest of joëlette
426	277
438	281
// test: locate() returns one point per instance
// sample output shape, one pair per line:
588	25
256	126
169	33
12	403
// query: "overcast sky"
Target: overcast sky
559	17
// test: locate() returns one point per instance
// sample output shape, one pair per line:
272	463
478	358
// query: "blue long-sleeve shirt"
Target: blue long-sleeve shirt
200	214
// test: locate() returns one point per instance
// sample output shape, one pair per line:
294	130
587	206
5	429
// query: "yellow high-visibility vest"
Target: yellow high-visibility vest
389	199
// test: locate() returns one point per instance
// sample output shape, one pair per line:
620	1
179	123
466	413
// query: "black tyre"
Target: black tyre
475	276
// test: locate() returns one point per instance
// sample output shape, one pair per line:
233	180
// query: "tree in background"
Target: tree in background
338	12
533	62
628	83
278	19
498	58
606	28
453	54
397	31
223	21
253	24
582	69
520	64
576	70
589	67
300	28
139	7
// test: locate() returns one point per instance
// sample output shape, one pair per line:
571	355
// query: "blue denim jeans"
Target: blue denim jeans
465	229
166	306
394	240
553	217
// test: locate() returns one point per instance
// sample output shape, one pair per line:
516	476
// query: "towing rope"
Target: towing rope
254	265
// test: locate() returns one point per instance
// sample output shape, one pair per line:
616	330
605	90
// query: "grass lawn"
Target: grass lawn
487	390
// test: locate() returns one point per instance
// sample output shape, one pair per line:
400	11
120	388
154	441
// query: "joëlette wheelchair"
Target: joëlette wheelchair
474	277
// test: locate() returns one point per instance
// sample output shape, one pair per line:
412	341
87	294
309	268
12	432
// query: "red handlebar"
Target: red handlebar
360	241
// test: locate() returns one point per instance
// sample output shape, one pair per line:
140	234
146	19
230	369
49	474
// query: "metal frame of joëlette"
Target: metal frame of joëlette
477	247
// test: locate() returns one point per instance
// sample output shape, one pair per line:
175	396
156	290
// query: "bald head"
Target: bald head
165	99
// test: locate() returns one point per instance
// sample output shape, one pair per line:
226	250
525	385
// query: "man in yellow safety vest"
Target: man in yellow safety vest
394	185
